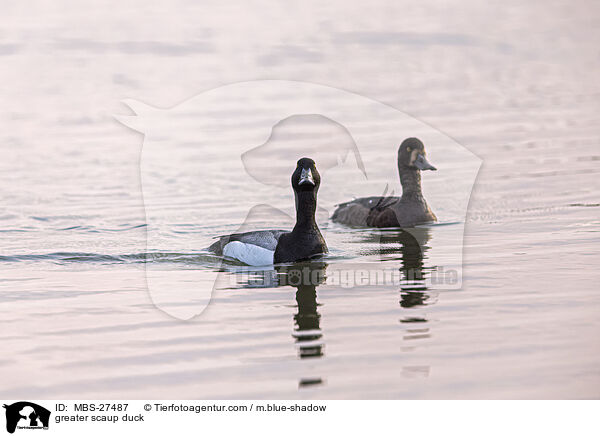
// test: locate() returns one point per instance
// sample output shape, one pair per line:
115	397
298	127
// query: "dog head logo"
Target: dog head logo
26	415
219	155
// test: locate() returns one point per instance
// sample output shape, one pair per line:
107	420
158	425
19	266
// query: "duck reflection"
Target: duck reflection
412	250
408	246
305	277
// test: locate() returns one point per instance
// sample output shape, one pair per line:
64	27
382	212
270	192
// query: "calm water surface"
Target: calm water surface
515	84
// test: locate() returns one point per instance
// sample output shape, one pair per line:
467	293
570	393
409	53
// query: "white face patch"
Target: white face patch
249	254
413	157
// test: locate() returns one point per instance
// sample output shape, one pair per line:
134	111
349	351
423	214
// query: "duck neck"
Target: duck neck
306	206
410	178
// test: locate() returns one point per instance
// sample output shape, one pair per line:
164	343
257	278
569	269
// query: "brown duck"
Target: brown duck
406	211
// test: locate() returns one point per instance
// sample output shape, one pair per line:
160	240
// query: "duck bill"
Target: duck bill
306	177
423	164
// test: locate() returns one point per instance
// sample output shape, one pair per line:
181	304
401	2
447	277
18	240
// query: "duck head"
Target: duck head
306	177
411	154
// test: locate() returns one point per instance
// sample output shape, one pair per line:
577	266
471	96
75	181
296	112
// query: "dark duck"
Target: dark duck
406	211
267	247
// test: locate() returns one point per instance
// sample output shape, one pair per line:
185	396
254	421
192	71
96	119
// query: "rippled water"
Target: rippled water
515	84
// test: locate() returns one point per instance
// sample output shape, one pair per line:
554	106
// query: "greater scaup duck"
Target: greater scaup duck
267	247
406	211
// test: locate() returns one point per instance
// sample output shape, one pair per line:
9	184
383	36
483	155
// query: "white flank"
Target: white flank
250	254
